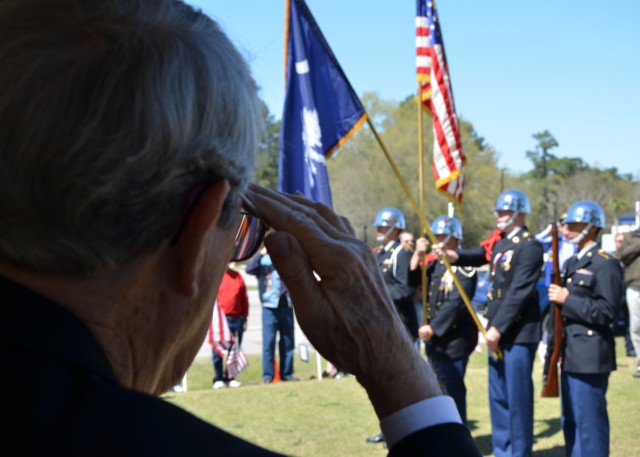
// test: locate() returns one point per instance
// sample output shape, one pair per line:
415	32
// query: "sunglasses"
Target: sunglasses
251	232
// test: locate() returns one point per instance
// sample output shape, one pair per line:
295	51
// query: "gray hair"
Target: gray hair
113	113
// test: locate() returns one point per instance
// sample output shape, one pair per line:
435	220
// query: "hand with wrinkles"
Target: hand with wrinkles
347	314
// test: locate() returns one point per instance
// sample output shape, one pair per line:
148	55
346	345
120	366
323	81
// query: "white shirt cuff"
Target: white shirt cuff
426	413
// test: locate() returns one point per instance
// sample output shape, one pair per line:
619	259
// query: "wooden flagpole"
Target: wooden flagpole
423	268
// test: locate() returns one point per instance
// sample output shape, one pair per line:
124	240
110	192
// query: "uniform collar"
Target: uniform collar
514	232
390	245
586	249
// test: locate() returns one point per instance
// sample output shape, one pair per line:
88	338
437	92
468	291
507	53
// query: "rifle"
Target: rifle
550	387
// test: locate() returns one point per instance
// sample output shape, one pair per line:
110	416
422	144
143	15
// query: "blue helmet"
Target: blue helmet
513	200
585	211
390	217
446	225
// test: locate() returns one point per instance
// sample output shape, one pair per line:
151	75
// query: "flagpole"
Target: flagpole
429	233
423	268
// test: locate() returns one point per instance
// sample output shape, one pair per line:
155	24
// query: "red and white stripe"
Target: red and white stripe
436	95
236	363
220	336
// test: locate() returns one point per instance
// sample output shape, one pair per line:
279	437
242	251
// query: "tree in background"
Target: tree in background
266	173
362	181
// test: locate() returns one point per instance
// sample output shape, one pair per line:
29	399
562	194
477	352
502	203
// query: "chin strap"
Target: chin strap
504	225
582	234
383	240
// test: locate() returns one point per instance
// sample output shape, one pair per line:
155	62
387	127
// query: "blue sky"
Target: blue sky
517	67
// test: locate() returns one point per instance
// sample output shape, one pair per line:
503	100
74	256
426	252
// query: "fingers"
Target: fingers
325	237
280	210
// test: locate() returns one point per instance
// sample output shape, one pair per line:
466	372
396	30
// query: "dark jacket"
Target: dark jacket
455	333
515	266
394	264
629	255
595	289
62	398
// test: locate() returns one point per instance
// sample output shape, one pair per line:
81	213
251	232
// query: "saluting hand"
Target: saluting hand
347	312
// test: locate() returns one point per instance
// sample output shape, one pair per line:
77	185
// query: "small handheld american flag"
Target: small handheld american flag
236	361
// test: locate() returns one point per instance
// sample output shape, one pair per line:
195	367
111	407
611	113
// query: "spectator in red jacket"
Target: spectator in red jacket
233	299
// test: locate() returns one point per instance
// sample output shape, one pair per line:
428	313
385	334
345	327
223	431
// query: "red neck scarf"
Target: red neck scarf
490	241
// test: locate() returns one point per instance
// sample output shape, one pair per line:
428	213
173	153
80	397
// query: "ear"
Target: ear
193	243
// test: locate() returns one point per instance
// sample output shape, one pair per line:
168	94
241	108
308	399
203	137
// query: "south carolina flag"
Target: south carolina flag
321	110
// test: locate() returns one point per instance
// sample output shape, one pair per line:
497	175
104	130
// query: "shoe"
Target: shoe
234	383
177	388
219	385
376	439
290	378
637	373
339	375
267	380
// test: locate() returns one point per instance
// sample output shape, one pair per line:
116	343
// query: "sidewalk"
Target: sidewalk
252	338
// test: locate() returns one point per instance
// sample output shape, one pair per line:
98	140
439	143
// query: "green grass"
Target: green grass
334	416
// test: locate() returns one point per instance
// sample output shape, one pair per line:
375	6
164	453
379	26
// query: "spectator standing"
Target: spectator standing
589	298
234	301
628	343
515	260
450	334
277	318
407	239
629	255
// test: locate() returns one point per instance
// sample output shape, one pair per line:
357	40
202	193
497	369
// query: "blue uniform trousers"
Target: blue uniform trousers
450	373
585	421
511	401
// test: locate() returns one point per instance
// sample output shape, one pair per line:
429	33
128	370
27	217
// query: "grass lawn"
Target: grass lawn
333	417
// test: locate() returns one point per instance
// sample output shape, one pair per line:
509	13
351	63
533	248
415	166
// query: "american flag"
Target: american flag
220	336
437	96
236	362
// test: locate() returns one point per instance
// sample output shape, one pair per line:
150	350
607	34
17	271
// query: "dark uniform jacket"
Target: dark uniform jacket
515	266
62	398
595	289
394	264
455	332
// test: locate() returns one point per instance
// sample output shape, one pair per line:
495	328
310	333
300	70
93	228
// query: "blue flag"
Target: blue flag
321	110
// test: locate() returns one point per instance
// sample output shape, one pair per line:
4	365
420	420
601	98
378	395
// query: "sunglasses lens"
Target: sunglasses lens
248	238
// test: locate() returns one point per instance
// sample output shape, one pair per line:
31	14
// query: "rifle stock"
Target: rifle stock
550	387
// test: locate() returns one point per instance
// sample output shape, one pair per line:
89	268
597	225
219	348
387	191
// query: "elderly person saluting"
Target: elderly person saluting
128	136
